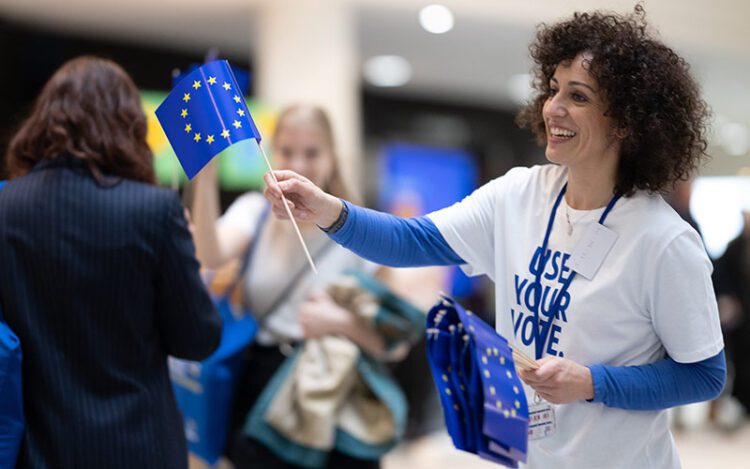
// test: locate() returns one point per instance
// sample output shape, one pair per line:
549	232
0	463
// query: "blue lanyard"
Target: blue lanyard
540	336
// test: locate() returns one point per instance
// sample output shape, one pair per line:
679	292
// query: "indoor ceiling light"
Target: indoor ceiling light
436	19
387	70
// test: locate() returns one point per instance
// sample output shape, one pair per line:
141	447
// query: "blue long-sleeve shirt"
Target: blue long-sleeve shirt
411	242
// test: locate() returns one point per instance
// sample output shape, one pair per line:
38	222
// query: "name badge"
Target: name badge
591	250
541	421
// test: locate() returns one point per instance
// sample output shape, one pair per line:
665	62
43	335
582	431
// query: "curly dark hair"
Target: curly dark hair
91	110
648	89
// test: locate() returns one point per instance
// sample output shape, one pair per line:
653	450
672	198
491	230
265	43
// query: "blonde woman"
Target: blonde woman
302	142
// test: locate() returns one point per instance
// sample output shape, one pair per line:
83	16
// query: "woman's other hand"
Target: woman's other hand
560	381
306	200
319	315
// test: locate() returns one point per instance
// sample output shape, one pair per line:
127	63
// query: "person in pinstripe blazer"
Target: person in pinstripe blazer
98	278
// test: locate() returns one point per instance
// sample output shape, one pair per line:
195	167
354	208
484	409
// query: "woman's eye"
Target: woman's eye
286	152
579	98
551	92
311	153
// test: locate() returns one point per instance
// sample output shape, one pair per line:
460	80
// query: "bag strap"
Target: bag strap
293	284
249	252
247	260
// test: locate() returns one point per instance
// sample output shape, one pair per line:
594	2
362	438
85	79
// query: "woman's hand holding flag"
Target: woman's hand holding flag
307	201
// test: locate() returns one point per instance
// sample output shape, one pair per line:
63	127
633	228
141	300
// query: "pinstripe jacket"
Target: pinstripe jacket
100	283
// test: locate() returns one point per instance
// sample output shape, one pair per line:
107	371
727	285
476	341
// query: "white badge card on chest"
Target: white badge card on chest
591	250
542	421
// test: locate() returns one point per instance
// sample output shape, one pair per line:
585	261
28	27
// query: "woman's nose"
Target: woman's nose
297	164
555	107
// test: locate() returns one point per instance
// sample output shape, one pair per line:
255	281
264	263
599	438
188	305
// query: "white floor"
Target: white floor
699	448
701	445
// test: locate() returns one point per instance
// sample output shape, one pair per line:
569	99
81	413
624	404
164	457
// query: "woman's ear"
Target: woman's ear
621	133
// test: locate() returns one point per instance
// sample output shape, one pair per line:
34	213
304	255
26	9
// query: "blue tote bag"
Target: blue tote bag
204	390
11	398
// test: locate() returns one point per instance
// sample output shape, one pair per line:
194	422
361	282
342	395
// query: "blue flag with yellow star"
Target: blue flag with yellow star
483	400
204	114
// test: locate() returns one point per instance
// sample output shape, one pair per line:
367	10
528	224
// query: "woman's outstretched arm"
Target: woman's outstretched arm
379	237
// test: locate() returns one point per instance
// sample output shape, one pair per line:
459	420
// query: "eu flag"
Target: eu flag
204	114
483	401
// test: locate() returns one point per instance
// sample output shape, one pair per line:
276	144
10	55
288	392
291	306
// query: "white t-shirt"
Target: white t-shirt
652	295
277	259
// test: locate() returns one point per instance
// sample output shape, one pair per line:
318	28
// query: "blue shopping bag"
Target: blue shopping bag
205	390
11	398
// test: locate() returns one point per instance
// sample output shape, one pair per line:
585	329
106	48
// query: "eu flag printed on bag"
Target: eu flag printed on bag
483	400
204	114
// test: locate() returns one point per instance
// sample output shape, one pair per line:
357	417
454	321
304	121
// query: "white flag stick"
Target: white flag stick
288	210
523	360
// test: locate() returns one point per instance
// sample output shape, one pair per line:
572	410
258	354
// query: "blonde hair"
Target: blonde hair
316	115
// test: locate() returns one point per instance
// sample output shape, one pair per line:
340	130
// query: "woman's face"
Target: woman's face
578	132
302	146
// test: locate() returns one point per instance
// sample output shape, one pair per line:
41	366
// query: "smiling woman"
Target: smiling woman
580	134
629	325
642	85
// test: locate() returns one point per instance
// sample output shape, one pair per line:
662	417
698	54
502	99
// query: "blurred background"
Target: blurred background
423	98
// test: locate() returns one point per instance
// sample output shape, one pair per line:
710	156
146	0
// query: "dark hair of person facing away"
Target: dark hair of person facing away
91	110
647	87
